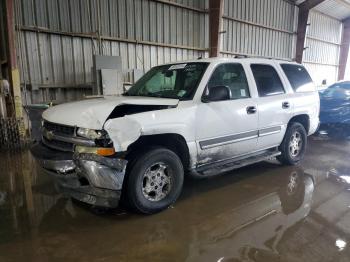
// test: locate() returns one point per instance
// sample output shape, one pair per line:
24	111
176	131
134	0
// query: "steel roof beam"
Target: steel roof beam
304	9
216	10
309	4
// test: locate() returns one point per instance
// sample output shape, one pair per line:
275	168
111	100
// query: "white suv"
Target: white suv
200	117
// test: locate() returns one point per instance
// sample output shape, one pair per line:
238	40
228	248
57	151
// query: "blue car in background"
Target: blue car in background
335	109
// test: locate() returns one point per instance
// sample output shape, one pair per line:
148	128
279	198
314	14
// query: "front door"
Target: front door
227	129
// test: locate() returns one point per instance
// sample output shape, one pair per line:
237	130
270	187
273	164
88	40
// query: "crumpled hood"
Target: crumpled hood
92	113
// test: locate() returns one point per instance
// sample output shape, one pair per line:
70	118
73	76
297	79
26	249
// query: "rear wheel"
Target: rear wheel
293	145
154	180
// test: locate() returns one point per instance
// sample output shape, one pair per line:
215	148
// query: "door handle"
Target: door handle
285	105
251	110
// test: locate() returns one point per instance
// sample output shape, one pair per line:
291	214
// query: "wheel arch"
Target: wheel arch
171	141
303	119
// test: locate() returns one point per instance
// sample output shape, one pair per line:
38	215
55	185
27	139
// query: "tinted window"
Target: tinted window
298	77
267	80
232	76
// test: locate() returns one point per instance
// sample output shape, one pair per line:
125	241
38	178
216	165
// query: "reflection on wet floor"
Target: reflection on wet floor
265	212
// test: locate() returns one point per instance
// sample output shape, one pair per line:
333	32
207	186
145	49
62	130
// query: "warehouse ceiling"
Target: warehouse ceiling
339	9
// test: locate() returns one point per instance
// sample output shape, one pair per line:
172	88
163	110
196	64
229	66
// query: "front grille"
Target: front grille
59	129
59	145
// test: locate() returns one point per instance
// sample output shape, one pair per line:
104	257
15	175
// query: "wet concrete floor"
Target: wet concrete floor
265	212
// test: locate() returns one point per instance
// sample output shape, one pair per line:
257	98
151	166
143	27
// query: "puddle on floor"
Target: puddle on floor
264	212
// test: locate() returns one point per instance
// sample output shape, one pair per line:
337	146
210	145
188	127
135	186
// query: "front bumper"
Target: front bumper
89	178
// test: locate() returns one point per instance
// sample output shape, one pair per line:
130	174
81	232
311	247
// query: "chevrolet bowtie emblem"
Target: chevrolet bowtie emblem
49	135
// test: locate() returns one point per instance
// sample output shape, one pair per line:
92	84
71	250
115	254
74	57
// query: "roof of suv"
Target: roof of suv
222	59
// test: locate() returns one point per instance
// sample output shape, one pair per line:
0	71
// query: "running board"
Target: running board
215	169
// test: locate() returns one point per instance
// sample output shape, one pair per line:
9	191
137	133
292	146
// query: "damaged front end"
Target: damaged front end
79	172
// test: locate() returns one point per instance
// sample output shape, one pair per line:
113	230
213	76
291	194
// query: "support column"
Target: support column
12	61
303	16
301	34
216	9
344	49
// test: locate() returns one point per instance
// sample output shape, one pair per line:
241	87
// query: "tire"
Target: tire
154	181
292	152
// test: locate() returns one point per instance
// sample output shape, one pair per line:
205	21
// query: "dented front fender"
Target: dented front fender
123	132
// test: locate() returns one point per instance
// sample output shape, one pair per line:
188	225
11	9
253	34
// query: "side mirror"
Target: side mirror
217	93
324	82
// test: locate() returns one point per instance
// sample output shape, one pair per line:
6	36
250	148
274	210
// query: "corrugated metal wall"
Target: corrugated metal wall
321	56
57	39
259	28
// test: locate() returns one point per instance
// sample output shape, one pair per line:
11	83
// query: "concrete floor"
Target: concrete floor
265	212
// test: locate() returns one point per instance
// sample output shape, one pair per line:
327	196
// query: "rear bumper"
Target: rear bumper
89	178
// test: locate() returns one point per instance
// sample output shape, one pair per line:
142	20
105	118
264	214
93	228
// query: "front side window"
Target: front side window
232	76
178	81
267	80
298	78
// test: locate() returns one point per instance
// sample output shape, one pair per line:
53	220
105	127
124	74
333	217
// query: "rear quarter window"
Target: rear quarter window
267	80
298	77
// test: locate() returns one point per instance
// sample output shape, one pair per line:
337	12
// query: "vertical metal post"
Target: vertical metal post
301	34
12	60
304	9
13	67
344	49
216	9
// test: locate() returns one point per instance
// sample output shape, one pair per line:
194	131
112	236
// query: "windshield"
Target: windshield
178	81
338	90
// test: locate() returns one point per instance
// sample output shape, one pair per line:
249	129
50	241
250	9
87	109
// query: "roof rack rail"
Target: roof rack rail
262	57
273	58
241	56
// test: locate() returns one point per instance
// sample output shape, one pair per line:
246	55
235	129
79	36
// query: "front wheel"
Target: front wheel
154	181
293	146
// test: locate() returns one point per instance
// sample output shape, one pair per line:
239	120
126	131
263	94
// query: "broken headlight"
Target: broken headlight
89	133
100	137
103	144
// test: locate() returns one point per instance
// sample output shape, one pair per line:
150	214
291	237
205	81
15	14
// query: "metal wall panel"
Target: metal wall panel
57	40
259	28
320	72
322	47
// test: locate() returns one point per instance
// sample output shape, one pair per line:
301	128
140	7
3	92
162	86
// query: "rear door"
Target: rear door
274	104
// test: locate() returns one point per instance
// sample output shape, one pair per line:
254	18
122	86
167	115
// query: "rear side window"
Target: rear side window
298	77
267	80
